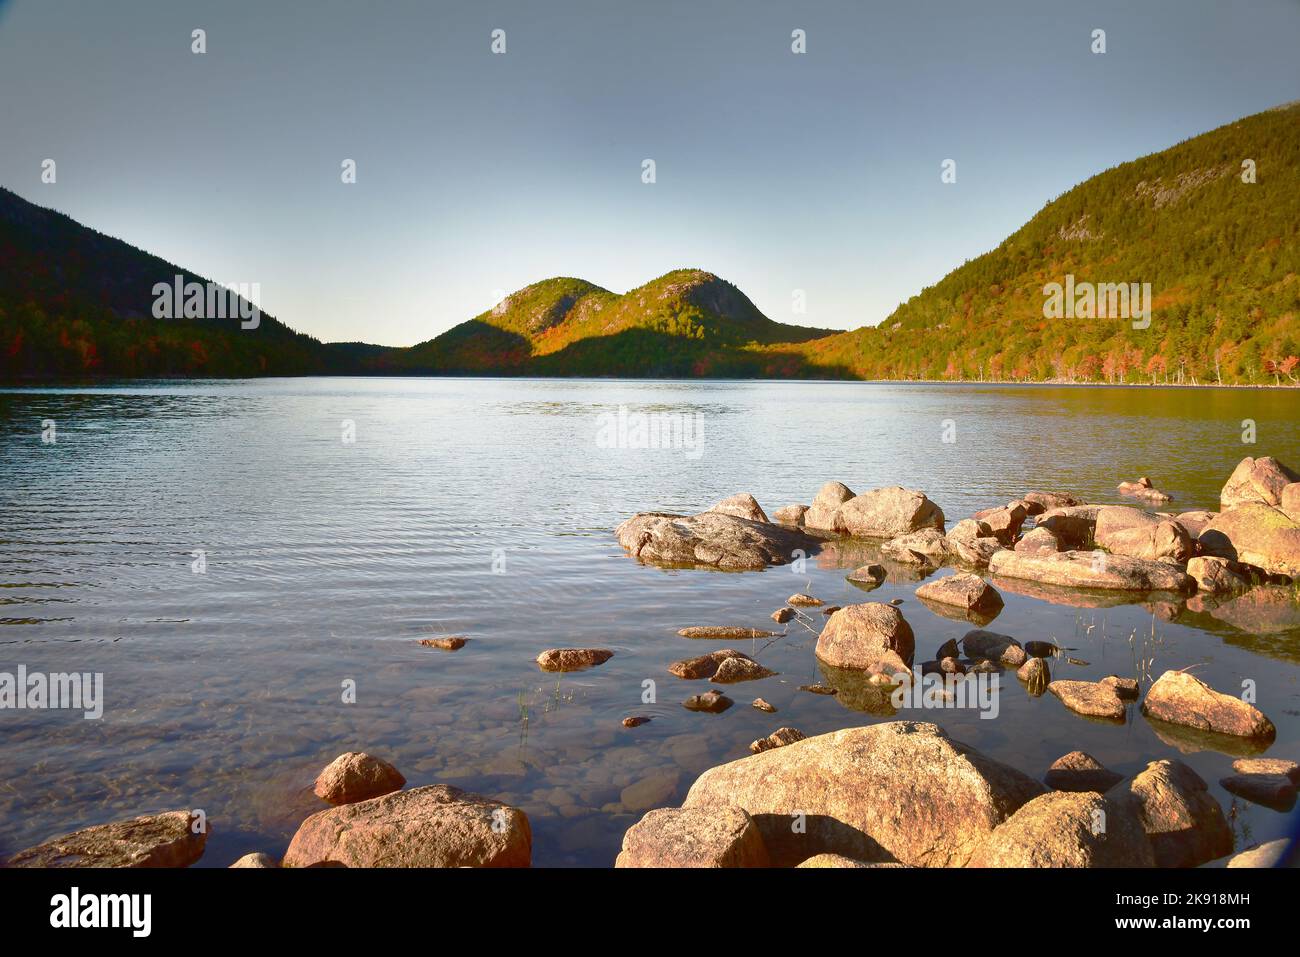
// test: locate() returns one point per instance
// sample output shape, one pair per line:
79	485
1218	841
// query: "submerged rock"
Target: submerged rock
901	791
723	632
1183	822
693	837
866	635
1181	698
357	776
155	840
1282	766
799	598
777	739
1080	771
714	539
446	643
1126	688
1276	791
432	826
572	659
1061	829
712	702
705	666
989	644
1098	570
872	574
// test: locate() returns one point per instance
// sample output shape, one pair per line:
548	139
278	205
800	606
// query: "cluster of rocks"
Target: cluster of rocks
372	823
905	794
1049	538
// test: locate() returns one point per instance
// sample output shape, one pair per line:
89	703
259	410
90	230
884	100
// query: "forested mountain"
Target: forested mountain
75	302
685	323
1211	226
1222	257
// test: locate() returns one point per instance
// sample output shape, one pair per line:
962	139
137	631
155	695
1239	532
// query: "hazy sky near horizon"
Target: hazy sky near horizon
479	173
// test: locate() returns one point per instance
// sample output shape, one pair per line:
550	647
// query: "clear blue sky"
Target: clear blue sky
481	172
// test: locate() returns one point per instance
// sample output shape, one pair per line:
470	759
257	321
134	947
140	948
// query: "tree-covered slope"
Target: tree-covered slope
687	322
76	302
1222	257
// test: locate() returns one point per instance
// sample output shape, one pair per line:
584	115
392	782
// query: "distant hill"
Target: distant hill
76	302
1222	257
685	323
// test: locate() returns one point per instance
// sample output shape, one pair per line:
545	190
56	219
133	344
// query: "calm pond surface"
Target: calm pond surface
486	508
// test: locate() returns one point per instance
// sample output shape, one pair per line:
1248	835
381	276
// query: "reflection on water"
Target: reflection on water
485	508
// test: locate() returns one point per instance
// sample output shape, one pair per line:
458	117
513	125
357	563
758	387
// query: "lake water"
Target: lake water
485	508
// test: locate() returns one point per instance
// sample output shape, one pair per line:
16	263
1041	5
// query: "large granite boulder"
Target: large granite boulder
966	592
1004	522
1140	534
1255	534
1068	829
713	539
433	826
1182	820
1257	481
900	791
888	513
155	840
1079	569
826	505
693	837
1179	697
1073	525
866	637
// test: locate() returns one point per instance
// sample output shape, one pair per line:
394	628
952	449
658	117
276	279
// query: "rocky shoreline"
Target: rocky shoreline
894	793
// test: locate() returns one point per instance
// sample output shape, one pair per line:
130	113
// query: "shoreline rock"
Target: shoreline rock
153	840
866	636
572	659
693	837
356	776
432	826
899	791
1095	570
1180	698
711	539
